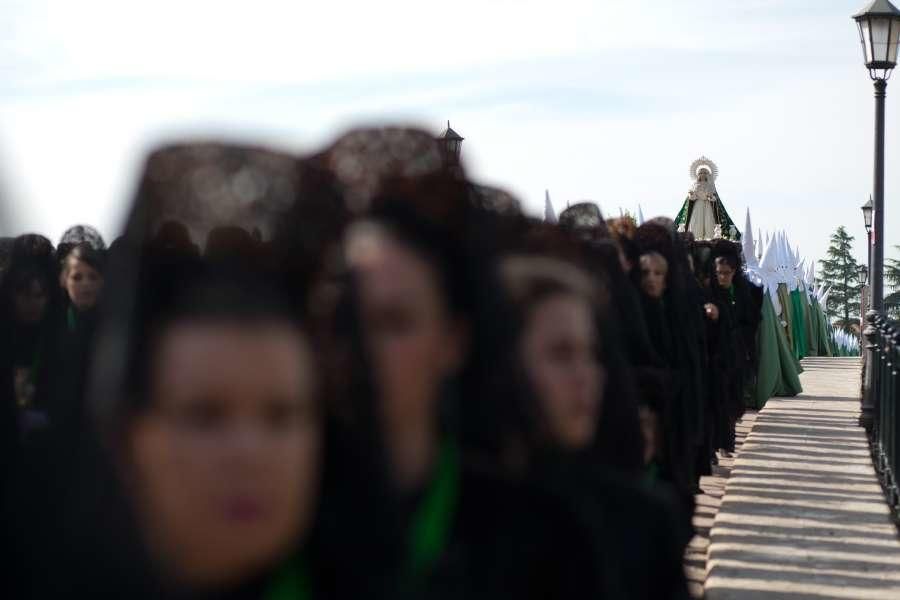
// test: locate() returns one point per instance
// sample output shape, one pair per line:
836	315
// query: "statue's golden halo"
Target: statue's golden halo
704	163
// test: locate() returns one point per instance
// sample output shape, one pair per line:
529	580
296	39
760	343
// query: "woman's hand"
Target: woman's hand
712	311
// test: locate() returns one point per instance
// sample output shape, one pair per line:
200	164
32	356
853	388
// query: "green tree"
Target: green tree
840	272
892	279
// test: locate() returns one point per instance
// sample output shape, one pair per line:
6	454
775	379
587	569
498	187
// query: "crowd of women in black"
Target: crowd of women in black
359	374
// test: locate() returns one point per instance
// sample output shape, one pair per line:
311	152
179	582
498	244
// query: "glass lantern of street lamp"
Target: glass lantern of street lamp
879	33
863	274
867	214
451	142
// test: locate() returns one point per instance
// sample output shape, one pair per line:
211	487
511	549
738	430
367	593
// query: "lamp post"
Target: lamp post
879	33
451	145
865	272
867	210
863	276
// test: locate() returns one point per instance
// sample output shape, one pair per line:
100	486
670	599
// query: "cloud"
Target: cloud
604	100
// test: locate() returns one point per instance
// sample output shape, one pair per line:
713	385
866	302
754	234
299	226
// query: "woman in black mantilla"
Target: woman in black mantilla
28	302
739	318
582	242
197	476
675	312
560	368
630	347
81	278
412	325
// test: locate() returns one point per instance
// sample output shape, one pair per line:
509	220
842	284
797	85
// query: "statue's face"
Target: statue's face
703	175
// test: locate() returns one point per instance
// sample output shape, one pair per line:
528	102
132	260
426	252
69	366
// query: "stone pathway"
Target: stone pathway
708	503
803	515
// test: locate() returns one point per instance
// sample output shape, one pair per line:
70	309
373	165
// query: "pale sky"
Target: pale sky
605	100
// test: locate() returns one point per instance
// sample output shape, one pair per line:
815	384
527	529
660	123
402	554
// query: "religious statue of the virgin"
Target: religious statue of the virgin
703	213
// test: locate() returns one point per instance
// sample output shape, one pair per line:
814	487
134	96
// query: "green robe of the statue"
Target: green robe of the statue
777	375
722	218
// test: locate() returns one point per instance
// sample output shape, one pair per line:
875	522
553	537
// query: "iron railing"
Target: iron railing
882	399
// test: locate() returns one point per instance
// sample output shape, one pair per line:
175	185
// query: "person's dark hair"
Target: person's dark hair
731	261
529	280
31	259
728	252
18	278
432	216
655	237
6	246
231	242
96	259
32	246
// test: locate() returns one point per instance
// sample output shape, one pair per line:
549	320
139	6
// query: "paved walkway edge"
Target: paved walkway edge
803	514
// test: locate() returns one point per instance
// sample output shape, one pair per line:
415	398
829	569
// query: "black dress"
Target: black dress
639	533
517	541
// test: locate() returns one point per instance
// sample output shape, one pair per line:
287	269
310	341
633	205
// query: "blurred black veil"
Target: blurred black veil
199	240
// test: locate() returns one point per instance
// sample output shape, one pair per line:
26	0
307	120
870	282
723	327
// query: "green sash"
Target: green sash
431	523
429	533
71	319
292	582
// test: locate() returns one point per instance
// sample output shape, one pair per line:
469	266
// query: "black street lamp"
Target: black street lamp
863	276
867	214
879	33
451	145
867	210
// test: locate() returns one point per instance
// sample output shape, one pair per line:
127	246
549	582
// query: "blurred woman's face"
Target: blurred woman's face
225	463
559	352
654	269
83	283
724	274
413	341
30	302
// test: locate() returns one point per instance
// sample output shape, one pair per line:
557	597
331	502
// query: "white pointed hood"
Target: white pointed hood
790	264
824	299
800	275
768	270
781	258
748	243
811	279
549	213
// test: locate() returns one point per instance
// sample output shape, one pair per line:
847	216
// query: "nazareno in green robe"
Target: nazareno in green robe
787	313
825	348
812	330
777	375
798	325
